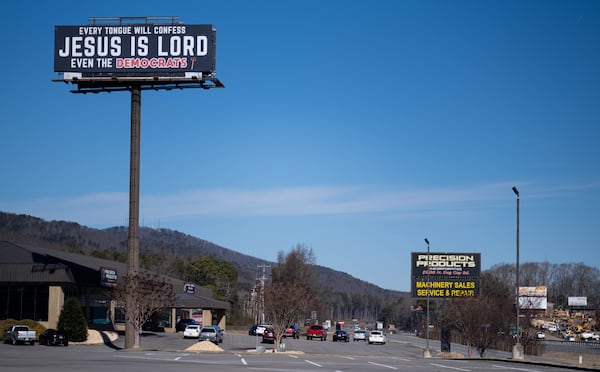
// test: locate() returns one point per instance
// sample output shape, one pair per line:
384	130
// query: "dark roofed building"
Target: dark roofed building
34	283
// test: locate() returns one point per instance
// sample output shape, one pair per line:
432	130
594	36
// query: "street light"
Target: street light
517	352
427	351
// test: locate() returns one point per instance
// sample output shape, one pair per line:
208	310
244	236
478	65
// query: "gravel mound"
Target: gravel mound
204	346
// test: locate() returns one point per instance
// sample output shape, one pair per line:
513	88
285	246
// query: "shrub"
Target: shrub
72	321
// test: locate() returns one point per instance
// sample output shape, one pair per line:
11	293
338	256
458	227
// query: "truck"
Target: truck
316	331
588	336
19	334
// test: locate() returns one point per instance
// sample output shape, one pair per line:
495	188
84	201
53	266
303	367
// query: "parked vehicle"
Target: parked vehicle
268	336
316	331
341	335
211	333
192	331
569	337
180	325
292	332
360	335
53	337
589	336
540	335
377	337
19	334
257	329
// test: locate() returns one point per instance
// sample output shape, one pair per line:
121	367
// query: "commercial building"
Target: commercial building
34	283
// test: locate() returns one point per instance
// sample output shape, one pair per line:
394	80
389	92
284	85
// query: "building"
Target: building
34	283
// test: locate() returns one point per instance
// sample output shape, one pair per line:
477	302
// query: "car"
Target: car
268	336
341	335
316	331
53	337
377	337
192	331
257	329
252	330
360	335
540	335
211	333
292	332
180	325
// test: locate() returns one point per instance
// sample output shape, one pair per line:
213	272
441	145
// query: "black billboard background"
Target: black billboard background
449	275
124	35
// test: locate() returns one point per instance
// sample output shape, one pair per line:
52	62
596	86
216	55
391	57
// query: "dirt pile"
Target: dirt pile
204	346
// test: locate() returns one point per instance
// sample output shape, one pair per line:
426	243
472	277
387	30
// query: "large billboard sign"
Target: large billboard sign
135	50
445	275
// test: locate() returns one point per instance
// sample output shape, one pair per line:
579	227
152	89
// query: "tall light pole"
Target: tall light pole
517	348
427	351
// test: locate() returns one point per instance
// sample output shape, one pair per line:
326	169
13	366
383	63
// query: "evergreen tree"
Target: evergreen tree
72	321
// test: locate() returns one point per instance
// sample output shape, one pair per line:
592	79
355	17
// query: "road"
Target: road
166	352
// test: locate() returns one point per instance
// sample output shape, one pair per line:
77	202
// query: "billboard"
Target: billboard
577	301
108	277
534	298
442	275
135	50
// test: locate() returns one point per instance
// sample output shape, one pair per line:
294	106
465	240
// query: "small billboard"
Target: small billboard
577	301
533	298
108	277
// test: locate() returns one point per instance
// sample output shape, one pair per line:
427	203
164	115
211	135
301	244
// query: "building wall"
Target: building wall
56	300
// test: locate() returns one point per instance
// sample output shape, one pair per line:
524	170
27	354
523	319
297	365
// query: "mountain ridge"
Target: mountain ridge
71	236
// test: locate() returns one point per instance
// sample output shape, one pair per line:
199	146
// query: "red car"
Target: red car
268	336
316	331
292	332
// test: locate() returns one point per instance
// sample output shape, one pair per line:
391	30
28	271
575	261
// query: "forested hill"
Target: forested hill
70	236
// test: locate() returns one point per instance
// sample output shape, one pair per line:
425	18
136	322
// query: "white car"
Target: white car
192	331
377	337
360	335
260	329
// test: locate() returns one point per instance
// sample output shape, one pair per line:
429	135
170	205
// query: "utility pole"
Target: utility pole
261	304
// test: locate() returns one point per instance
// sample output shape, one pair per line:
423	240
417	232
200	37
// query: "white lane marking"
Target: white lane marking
244	362
454	368
293	356
516	369
177	358
382	365
313	363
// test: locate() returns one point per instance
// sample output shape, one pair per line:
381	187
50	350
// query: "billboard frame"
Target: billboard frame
96	81
445	275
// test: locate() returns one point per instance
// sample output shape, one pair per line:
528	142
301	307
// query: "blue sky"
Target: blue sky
357	128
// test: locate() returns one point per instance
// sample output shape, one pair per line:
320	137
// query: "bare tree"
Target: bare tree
483	320
149	291
291	293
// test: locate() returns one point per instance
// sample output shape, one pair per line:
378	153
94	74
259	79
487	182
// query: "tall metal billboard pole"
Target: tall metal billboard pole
133	241
139	53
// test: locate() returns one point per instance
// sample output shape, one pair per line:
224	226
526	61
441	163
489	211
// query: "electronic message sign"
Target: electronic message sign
445	275
134	51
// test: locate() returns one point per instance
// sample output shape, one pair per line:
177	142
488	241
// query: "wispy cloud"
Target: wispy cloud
100	209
